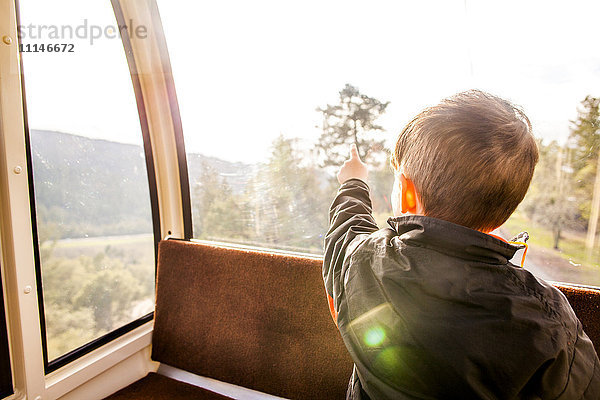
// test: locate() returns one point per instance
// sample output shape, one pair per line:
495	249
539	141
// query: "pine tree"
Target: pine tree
218	211
585	135
289	200
352	120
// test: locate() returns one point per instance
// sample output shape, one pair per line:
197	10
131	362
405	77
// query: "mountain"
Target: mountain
235	174
92	187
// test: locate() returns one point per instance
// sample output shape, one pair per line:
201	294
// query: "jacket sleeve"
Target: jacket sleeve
583	380
350	218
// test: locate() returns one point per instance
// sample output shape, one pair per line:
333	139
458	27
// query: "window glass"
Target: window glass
267	89
94	221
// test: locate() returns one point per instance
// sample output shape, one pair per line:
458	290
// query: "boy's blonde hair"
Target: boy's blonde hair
471	159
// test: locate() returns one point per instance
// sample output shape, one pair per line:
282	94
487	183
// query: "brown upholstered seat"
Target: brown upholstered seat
259	320
586	304
255	319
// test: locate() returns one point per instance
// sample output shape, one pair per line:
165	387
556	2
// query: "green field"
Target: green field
131	247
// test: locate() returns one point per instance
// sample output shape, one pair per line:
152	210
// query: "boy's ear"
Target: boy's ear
409	195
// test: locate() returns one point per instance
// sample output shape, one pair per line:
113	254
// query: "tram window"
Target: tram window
252	75
91	191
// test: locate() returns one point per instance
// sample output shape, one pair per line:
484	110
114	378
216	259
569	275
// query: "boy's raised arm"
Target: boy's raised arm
349	216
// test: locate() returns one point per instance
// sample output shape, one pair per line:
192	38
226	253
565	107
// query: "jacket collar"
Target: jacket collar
452	239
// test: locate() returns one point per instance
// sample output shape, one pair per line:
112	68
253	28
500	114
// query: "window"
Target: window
255	79
91	193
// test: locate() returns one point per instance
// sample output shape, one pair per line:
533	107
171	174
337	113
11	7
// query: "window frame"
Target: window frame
184	183
59	362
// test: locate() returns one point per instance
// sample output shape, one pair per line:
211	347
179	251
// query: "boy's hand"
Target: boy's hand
353	168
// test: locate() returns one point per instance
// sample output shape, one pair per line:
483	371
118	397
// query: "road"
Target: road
549	265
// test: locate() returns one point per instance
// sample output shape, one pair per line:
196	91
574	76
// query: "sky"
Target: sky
246	72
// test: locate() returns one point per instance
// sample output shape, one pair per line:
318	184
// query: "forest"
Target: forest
95	228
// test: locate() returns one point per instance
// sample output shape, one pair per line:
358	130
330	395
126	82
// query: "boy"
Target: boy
431	307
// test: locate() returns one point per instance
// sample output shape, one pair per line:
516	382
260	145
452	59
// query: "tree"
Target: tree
585	135
585	132
87	296
109	290
352	120
288	200
549	201
218	211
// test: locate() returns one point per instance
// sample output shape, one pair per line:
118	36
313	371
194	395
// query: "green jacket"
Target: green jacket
429	309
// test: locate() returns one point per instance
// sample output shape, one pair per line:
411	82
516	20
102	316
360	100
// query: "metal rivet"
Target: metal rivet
7	39
18	169
27	289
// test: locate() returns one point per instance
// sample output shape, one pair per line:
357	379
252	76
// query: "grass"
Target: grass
128	247
571	245
103	241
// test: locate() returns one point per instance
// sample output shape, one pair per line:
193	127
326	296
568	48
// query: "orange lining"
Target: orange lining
332	309
519	243
497	237
524	253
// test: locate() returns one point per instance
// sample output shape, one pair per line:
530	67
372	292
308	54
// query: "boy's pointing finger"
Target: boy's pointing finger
354	151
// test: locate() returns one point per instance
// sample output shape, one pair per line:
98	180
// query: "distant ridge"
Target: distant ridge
95	187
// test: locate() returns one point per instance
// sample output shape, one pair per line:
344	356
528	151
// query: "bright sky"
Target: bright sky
246	72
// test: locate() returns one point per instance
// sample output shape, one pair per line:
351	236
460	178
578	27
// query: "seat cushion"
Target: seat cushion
157	387
586	304
255	319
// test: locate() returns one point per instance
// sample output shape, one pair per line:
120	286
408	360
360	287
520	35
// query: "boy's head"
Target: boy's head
470	160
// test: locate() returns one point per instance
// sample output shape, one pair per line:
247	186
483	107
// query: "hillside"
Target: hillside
91	187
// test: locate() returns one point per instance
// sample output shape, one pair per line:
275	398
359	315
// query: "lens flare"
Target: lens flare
375	336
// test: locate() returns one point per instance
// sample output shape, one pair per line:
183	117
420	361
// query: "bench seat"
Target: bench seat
259	320
255	319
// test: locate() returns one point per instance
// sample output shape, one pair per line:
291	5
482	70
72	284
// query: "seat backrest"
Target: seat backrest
586	304
261	320
251	318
